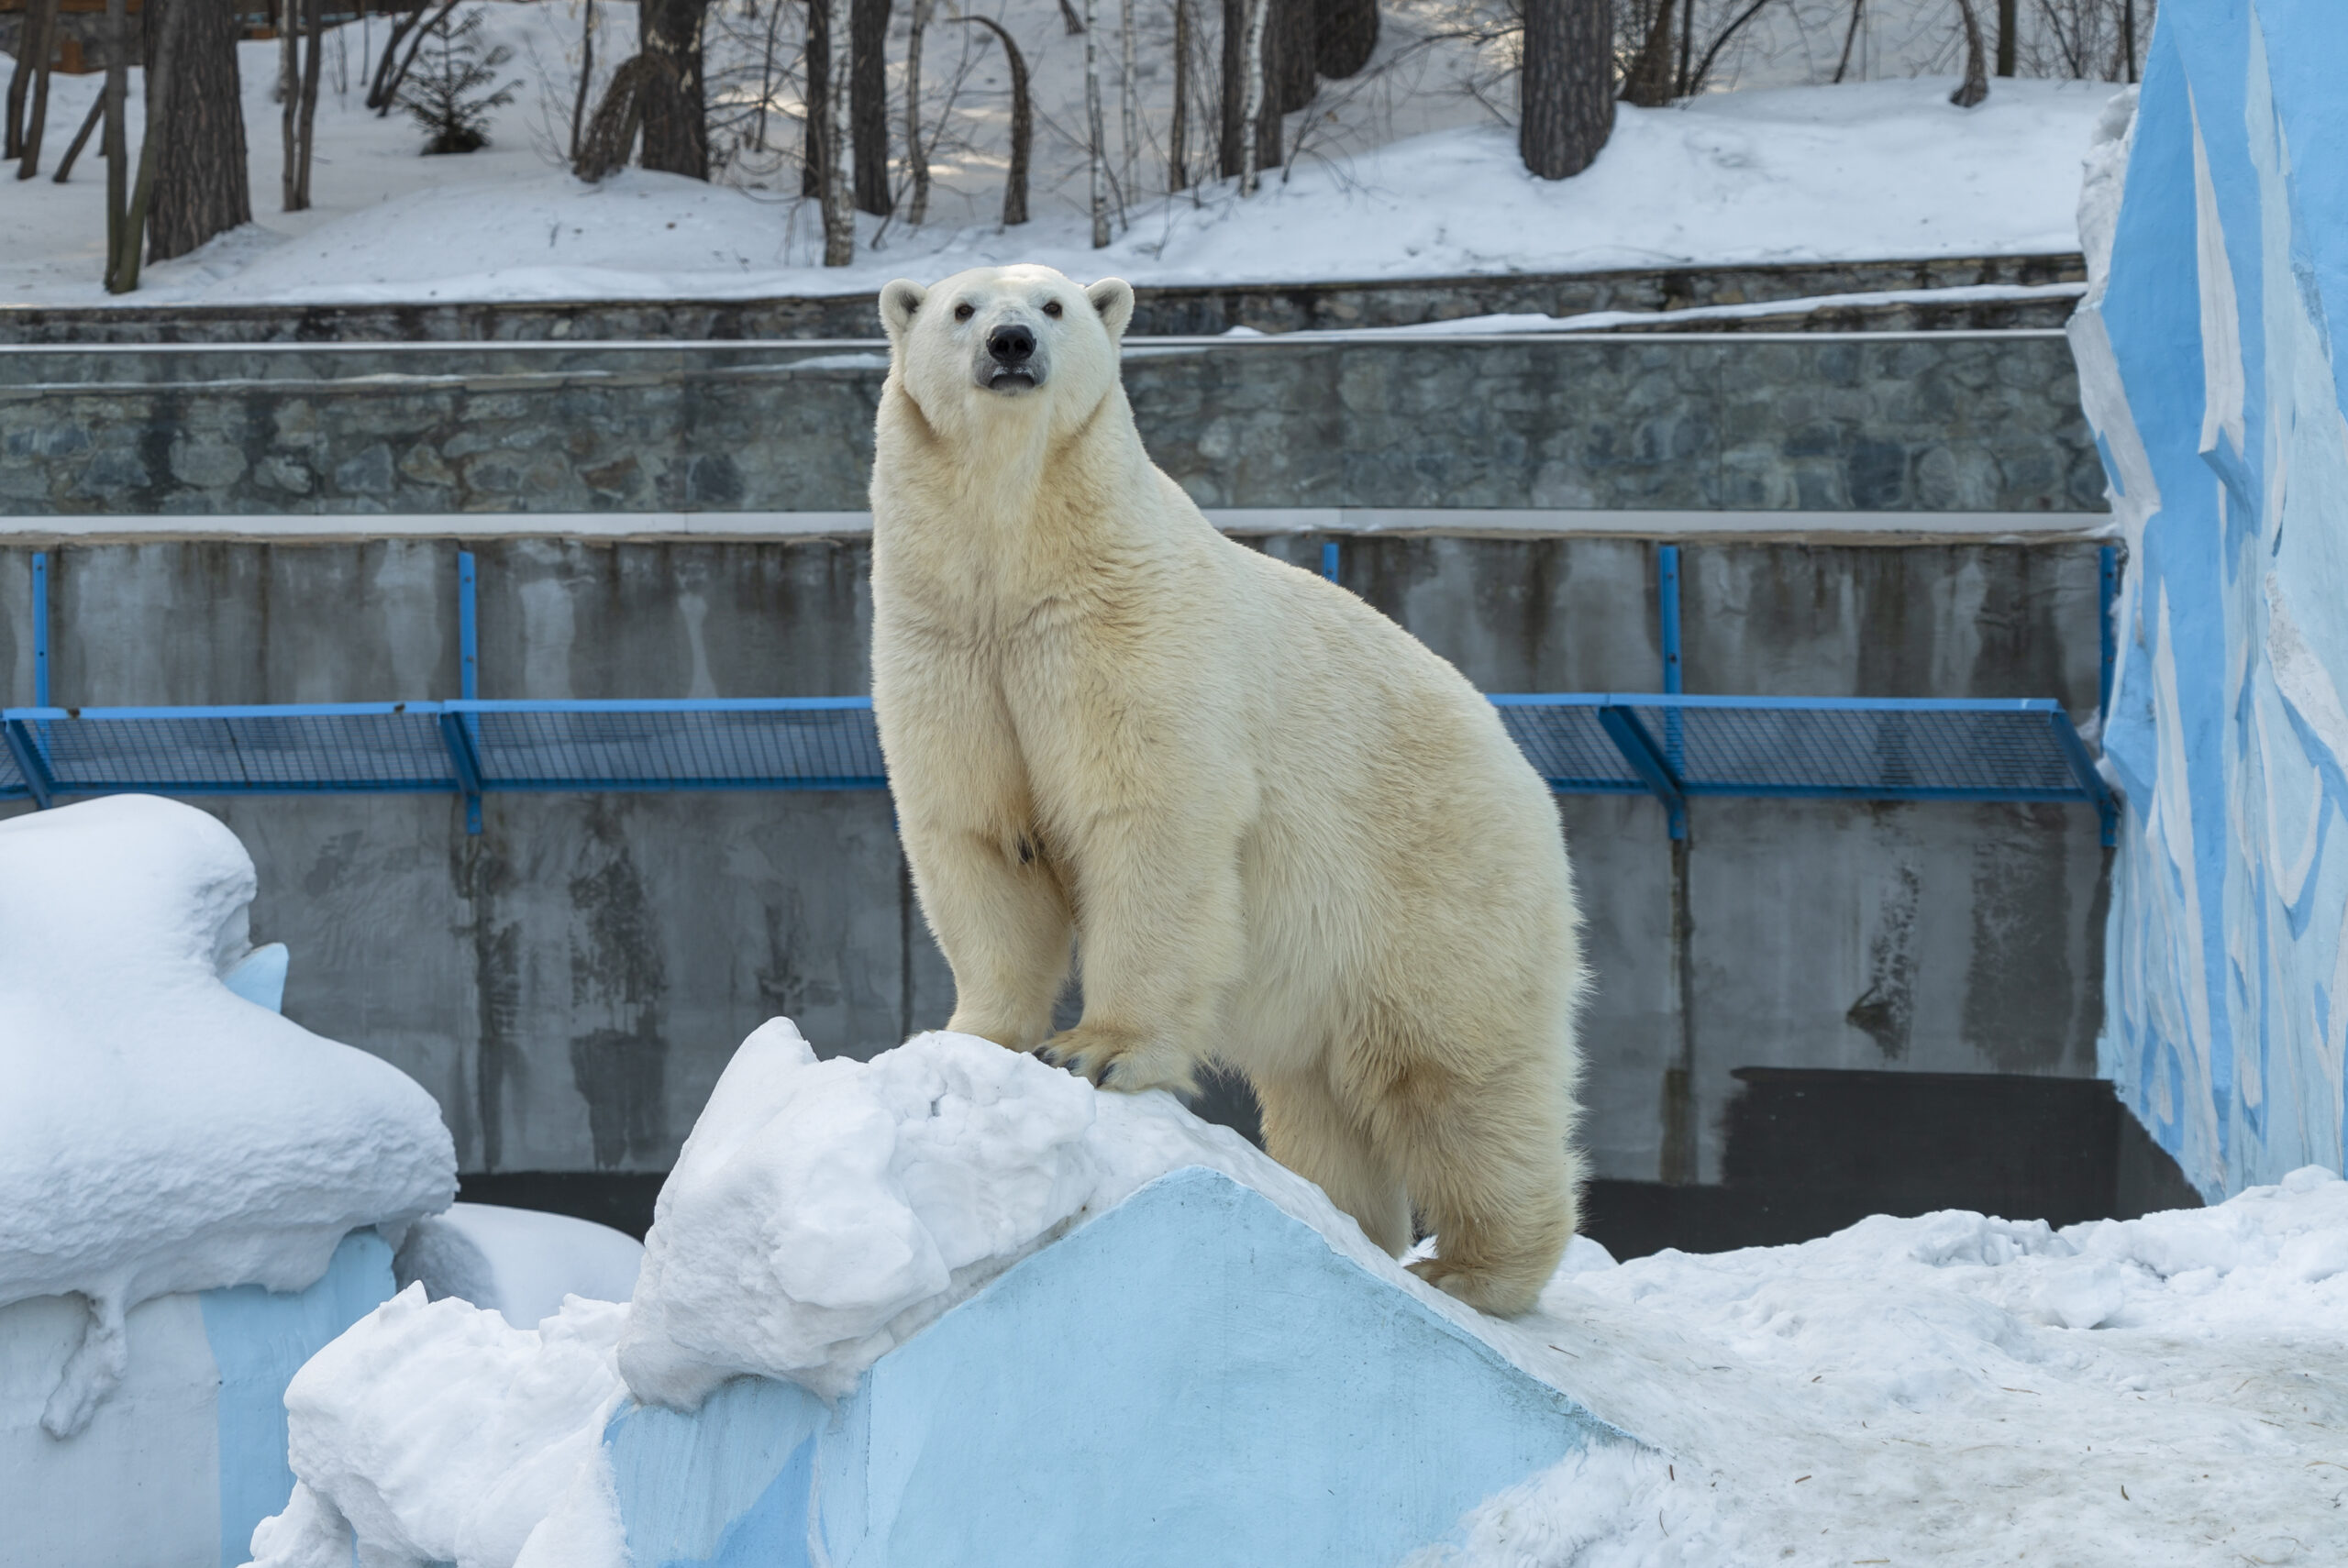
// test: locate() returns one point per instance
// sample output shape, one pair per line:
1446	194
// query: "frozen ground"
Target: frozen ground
1954	1389
1883	169
160	1132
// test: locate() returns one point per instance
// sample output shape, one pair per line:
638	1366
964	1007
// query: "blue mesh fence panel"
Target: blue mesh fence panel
1915	751
1567	746
674	746
237	750
12	779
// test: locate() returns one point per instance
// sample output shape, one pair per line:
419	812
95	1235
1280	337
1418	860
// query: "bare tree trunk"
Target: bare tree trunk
1287	59
312	60
1251	100
766	72
815	63
1569	84
587	76
200	187
839	219
916	159
289	75
2008	26
1093	132
1850	36
1679	81
161	25
1074	23
1713	52
1128	131
388	98
676	131
1344	35
81	138
1023	124
868	98
1977	76
1231	144
1177	135
2128	35
115	146
1651	79
37	43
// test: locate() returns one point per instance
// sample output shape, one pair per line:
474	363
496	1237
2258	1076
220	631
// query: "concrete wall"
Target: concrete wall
1926	422
2212	376
569	983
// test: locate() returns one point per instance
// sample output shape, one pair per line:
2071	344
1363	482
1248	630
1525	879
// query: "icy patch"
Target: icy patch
432	1432
158	1131
823	1213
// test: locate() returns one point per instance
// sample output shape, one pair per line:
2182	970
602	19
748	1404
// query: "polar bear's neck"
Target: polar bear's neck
1011	512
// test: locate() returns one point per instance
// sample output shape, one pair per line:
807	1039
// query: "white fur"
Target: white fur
1283	836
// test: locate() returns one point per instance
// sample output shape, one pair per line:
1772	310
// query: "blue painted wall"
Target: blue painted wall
260	1338
1193	1379
2207	370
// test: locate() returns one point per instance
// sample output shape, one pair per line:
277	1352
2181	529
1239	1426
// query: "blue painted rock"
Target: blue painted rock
1193	1379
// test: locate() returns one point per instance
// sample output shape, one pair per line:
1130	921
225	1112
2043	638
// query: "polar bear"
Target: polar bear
1282	835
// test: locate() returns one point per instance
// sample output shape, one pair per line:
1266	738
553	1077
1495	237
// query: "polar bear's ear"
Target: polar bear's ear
898	303
1113	298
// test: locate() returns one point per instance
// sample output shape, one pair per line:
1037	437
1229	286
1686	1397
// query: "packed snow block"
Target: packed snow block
1193	1378
2215	222
194	1433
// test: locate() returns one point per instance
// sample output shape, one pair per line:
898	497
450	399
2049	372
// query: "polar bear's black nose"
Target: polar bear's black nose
1011	345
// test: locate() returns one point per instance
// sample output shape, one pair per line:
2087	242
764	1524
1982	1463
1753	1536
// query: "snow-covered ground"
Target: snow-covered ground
159	1131
1951	1389
517	1262
1882	169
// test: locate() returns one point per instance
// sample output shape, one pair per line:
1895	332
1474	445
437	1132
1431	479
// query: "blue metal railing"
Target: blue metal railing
1670	746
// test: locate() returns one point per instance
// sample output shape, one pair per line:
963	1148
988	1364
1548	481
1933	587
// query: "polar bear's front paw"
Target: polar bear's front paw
1118	1059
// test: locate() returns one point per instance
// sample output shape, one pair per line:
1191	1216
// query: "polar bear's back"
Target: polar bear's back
1399	829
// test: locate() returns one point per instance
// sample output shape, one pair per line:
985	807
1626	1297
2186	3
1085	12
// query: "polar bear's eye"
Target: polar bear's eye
1052	309
964	311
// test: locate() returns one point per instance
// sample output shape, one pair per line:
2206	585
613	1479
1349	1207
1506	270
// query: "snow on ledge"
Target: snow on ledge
158	1131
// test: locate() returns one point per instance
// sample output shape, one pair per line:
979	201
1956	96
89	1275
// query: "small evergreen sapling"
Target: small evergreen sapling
445	90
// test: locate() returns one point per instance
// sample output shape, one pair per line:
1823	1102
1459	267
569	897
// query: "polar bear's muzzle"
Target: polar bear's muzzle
1012	364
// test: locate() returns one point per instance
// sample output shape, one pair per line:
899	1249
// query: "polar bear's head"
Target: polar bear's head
1005	343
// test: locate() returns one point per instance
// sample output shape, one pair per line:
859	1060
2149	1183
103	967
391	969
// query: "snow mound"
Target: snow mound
433	1431
823	1213
517	1262
159	1133
1960	1390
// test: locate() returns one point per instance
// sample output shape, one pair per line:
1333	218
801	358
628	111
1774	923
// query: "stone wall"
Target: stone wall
1925	422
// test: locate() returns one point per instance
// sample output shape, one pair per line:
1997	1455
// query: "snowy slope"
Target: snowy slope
1870	170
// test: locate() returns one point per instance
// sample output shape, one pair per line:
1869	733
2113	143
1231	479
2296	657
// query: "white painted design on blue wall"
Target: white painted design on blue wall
2206	349
1192	1379
189	1454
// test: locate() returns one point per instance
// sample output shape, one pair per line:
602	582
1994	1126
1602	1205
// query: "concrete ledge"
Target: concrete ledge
1905	528
1192	1379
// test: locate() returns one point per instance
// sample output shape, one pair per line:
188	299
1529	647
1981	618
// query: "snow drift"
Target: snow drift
159	1133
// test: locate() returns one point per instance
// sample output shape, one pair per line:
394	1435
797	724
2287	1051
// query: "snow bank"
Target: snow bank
433	1431
1862	170
1961	1389
157	1132
517	1262
823	1213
